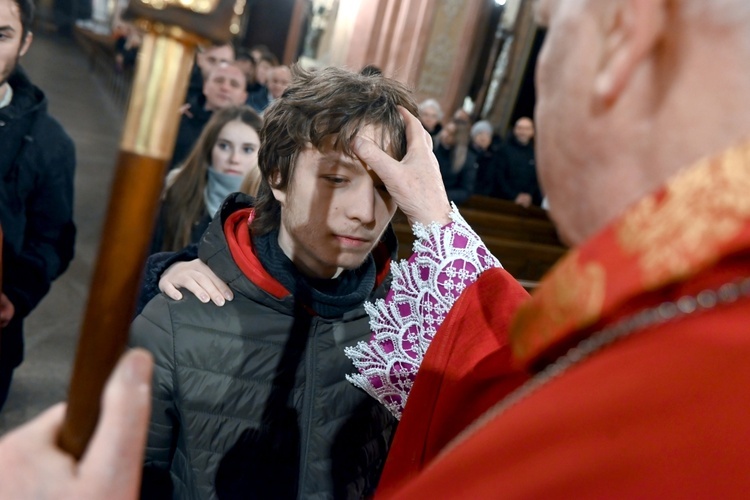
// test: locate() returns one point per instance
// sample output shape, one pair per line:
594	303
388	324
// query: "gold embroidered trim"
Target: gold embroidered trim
574	299
702	209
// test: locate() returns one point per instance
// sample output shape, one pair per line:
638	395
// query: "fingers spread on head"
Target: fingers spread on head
414	128
373	156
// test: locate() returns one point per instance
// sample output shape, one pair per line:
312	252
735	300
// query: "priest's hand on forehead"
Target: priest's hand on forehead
414	183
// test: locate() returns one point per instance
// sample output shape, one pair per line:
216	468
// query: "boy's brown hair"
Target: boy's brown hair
318	106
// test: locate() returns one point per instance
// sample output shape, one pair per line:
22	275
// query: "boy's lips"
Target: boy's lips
354	241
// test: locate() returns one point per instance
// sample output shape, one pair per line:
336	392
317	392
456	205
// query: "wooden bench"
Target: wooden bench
524	240
496	205
511	226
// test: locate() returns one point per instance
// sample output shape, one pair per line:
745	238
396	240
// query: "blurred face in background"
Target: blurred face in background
12	44
262	71
430	117
226	86
524	130
256	54
461	116
448	135
483	140
236	149
248	68
211	57
278	81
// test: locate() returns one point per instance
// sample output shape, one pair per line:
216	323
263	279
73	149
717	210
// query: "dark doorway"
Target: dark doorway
268	23
526	99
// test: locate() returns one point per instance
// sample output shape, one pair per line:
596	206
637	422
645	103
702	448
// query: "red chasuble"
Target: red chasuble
470	372
662	412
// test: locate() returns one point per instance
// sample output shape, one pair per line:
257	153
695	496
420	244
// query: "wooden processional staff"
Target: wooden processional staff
173	29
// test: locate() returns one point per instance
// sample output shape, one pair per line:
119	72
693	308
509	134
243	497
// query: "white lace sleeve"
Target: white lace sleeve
446	260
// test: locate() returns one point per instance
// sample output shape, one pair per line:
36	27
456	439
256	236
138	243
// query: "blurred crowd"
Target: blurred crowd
620	376
474	159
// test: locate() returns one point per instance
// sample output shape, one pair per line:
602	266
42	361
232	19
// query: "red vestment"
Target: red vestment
661	412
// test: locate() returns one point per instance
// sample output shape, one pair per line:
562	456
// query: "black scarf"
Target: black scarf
329	298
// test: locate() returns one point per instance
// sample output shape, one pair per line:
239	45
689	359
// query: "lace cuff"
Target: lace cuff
446	260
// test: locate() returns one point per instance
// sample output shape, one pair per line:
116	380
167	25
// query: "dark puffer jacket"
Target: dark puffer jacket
459	185
517	171
37	165
250	399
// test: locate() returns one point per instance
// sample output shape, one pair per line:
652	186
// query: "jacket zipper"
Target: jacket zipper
307	412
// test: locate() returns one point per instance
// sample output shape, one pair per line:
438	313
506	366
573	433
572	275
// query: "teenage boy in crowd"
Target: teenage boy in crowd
250	399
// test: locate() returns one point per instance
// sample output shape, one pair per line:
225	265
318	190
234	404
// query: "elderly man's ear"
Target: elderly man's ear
632	29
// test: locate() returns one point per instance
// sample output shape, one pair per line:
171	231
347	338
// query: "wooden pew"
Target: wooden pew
496	205
511	226
524	240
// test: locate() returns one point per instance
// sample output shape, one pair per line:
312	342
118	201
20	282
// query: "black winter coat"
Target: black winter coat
487	168
191	126
37	165
199	227
459	185
250	399
258	100
517	171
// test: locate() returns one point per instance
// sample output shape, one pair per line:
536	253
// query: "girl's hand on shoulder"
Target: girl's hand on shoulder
196	277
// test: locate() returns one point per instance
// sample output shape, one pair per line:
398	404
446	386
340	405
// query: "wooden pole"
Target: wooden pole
173	29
